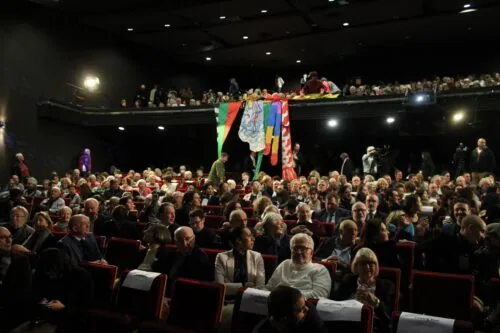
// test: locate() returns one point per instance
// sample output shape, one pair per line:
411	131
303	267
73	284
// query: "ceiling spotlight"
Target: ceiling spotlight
130	29
345	24
332	123
467	5
419	98
222	17
331	0
458	117
208	58
121	128
161	128
245	37
468	10
91	83
268	53
390	120
167	25
298	61
263	11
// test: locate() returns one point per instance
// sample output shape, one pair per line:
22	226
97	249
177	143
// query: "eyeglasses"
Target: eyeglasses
6	237
302	249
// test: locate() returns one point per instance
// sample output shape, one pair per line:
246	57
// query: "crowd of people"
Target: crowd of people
454	223
156	96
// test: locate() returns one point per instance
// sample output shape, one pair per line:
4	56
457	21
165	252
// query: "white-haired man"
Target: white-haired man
20	168
313	280
368	159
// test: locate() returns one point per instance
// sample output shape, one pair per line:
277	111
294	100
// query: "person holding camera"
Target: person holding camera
369	162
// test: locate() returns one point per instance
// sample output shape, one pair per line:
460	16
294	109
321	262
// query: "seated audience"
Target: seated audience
18	228
375	236
332	213
237	218
313	280
75	198
80	244
188	262
41	239
54	203
64	217
205	237
365	287
166	215
454	253
240	267
289	312
32	188
114	190
63	293
155	236
451	224
338	249
15	284
274	240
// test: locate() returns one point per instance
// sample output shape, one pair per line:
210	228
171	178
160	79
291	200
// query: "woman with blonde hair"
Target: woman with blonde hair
364	286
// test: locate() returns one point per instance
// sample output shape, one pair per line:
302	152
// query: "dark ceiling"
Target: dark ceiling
311	31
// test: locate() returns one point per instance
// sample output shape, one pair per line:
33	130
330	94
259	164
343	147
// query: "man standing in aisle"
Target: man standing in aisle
297	158
369	163
482	161
218	171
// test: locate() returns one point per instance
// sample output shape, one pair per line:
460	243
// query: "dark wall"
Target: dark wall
37	61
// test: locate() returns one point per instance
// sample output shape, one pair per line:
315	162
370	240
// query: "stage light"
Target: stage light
245	37
91	83
298	61
458	116
222	17
332	123
468	10
130	29
121	128
331	0
345	24
167	25
419	98
208	59
268	53
390	120
263	11
467	5
161	128
2	124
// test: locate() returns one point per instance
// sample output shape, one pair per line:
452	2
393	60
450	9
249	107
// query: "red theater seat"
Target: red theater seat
270	263
459	326
442	295
139	205
290	224
196	305
249	211
122	252
132	307
393	275
213	222
212	255
212	210
104	277
406	256
101	242
243	322
58	234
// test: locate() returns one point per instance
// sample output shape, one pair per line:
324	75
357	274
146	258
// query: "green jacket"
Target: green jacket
217	172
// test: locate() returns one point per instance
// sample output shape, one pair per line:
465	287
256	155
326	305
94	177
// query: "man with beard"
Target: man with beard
289	312
188	262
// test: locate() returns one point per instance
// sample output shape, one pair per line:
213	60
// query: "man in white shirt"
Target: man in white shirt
313	280
369	164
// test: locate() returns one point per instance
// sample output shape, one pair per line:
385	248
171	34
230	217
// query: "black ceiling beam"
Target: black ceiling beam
301	12
324	31
222	42
156	5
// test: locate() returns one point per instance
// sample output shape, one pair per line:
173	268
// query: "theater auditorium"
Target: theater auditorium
226	166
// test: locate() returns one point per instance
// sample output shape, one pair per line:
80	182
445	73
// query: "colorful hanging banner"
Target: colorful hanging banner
225	114
267	111
286	145
252	125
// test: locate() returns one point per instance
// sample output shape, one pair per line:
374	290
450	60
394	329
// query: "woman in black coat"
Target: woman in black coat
365	287
62	293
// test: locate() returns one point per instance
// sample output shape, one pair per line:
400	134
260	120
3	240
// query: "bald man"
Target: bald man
455	253
15	283
188	262
482	161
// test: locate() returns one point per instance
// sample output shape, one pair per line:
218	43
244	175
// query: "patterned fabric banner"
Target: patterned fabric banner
225	114
267	111
286	145
252	125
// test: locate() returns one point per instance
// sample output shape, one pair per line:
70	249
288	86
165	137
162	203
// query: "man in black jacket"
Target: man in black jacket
205	237
15	284
332	213
482	161
347	168
188	262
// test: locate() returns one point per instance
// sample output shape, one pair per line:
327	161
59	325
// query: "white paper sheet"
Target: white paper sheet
204	202
418	323
427	210
140	280
330	310
254	301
